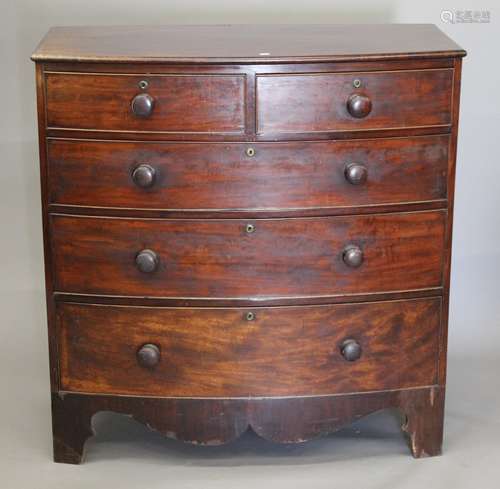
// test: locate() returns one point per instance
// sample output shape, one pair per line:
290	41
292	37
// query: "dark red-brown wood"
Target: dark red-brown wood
449	222
245	43
282	351
407	122
218	421
222	177
221	259
244	301
319	102
182	103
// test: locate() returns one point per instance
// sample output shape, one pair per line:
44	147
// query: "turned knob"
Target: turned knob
359	106
146	261
355	173
142	105
352	256
350	350
148	355
144	176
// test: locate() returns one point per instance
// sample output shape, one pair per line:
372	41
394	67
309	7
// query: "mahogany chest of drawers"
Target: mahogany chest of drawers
247	227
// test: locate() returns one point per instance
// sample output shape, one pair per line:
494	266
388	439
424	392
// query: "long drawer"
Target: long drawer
322	102
219	352
159	103
238	258
235	176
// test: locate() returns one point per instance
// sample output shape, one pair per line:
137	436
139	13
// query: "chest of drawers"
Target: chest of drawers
247	227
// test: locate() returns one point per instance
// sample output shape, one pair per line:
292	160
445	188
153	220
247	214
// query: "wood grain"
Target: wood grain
219	90
449	223
192	104
284	351
219	259
220	176
245	43
218	421
317	102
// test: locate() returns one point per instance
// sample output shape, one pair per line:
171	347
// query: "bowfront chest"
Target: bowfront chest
247	227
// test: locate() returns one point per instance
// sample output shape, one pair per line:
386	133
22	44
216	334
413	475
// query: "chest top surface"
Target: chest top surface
245	43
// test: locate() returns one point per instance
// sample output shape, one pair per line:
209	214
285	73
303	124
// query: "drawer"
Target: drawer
221	176
333	102
238	258
219	352
180	103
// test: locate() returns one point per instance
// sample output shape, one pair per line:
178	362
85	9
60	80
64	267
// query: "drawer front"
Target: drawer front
218	352
215	176
237	258
332	102
181	103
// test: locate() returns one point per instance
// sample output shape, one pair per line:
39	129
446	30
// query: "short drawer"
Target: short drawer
219	352
323	102
259	176
177	103
238	258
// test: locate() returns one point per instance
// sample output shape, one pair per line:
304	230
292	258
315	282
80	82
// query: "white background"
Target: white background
475	304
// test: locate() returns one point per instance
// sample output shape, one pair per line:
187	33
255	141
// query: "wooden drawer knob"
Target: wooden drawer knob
350	350
148	355
359	106
146	261
142	105
355	173
352	256
144	176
